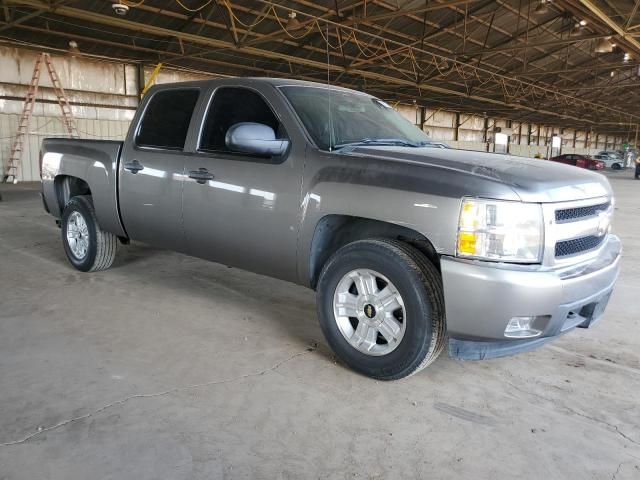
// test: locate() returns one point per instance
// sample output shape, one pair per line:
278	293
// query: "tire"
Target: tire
99	251
422	320
616	166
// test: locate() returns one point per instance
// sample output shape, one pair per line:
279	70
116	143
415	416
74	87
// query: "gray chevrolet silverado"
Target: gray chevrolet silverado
411	247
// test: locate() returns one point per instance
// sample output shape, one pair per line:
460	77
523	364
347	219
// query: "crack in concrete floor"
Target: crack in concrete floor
124	400
612	427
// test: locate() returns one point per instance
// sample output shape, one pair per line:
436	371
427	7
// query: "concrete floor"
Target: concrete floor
167	367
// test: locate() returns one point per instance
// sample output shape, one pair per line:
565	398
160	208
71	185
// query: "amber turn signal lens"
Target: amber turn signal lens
467	243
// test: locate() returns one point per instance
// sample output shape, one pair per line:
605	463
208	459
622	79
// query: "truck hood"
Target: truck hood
533	180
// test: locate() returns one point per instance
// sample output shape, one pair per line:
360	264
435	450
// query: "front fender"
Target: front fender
432	216
421	196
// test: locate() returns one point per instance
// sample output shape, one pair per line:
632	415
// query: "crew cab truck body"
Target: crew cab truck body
410	247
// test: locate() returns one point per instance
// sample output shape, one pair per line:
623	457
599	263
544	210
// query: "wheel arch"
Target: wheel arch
67	187
333	231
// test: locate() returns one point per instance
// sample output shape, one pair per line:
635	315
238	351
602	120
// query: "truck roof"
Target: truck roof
248	81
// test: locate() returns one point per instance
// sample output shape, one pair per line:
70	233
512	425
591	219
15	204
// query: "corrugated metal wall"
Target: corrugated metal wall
104	97
42	127
440	125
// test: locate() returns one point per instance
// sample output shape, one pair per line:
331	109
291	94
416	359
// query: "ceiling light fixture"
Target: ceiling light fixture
120	9
73	48
580	24
604	45
293	23
542	7
627	57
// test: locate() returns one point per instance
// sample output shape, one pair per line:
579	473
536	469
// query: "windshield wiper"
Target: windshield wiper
378	141
431	143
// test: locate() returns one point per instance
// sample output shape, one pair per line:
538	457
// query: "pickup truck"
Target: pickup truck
411	248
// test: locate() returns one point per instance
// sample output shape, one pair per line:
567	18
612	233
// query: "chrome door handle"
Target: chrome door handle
134	166
201	175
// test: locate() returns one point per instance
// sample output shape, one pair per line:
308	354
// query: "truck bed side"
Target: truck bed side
71	166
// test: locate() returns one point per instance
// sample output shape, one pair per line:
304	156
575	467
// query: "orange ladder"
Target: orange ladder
68	120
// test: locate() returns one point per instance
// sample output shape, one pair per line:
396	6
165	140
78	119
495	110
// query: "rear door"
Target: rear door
246	213
152	168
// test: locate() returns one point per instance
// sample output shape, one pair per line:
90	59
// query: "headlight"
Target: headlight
500	230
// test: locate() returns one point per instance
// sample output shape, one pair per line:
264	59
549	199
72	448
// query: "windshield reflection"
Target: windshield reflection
338	118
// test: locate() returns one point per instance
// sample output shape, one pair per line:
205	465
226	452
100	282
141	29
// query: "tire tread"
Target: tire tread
431	280
429	275
106	242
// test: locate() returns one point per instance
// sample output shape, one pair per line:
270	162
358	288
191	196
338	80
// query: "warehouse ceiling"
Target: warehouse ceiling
572	63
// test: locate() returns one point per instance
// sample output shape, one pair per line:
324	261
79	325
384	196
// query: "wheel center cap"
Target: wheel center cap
369	310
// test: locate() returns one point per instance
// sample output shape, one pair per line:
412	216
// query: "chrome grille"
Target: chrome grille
578	245
576	230
571	214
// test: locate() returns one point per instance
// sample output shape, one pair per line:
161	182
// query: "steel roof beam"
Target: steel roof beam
611	24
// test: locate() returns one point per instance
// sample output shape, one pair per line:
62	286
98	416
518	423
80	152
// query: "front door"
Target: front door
152	167
243	210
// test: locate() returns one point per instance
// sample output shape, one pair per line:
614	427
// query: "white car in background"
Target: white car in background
611	160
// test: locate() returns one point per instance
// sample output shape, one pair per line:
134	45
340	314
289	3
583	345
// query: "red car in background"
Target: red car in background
582	161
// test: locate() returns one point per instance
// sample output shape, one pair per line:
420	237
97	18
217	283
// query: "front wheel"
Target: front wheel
616	166
88	247
381	308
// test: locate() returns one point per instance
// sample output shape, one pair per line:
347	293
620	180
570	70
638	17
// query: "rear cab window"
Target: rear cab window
165	122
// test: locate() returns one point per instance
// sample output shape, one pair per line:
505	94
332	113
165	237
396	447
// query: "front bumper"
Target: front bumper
481	298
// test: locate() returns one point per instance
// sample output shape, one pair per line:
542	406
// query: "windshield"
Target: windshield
337	118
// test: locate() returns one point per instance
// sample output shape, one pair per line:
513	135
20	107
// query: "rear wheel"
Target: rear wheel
616	166
88	247
381	308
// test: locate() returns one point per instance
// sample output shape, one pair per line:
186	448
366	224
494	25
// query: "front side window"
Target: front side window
165	122
335	118
232	105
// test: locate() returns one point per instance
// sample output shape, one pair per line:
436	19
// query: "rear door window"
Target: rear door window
165	122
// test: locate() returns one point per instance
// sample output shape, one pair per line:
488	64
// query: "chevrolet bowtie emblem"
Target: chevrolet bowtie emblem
603	223
369	311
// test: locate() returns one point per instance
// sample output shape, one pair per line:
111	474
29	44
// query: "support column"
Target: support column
456	131
485	131
520	133
141	80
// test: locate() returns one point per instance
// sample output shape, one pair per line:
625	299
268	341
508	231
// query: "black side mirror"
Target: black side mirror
255	138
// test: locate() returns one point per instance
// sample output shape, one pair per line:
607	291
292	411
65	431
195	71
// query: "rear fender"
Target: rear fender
93	162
